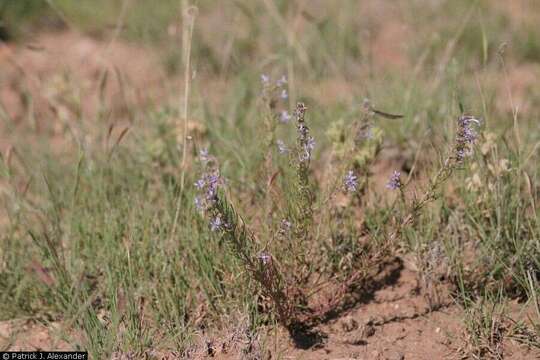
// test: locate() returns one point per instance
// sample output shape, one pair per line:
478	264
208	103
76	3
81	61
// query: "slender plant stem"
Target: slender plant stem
189	14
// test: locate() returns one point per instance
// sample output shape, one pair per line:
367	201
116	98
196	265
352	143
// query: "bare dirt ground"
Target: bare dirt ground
395	323
398	324
53	64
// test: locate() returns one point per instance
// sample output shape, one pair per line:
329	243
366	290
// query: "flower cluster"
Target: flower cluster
281	81
395	181
203	156
466	136
216	223
305	154
265	79
207	198
285	117
305	141
278	90
207	186
282	148
350	182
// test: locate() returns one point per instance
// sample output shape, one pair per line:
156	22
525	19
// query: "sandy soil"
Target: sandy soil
395	324
53	65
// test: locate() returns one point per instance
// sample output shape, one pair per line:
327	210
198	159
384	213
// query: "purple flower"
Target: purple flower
199	184
466	136
216	224
203	155
265	79
285	117
461	154
467	133
284	94
212	181
306	143
265	258
282	81
468	119
395	181
308	147
310	143
350	181
208	189
282	148
198	204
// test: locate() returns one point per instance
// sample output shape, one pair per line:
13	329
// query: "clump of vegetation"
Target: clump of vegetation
304	271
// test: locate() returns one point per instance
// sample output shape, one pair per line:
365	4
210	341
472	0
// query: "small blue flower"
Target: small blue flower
469	135
350	181
284	95
198	204
208	186
466	136
199	184
310	143
308	147
282	81
213	182
461	154
395	181
285	117
265	79
203	155
282	148
216	224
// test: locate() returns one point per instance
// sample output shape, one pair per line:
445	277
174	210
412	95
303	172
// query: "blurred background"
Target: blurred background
67	64
125	54
337	45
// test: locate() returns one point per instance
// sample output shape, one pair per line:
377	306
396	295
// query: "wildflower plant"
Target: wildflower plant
462	148
304	149
304	272
224	221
